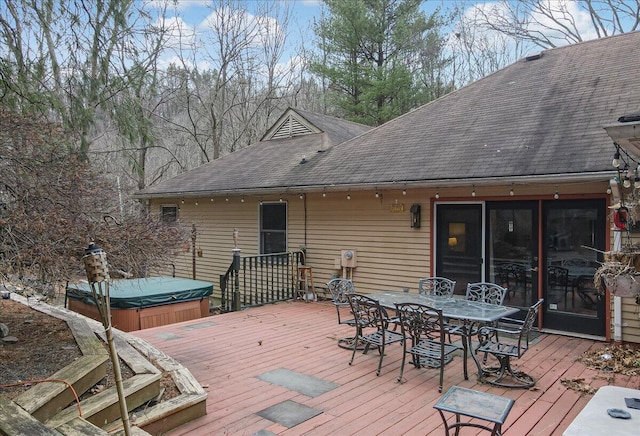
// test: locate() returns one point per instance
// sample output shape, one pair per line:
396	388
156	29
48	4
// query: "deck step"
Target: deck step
55	406
104	407
14	420
80	427
46	399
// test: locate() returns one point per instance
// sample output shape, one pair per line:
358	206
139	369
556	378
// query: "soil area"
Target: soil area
43	345
37	345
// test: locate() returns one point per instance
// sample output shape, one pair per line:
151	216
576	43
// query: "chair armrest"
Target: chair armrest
511	321
488	330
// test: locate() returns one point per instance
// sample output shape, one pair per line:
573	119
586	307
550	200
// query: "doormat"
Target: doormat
295	381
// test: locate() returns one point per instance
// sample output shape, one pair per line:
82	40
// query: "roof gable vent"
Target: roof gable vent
290	127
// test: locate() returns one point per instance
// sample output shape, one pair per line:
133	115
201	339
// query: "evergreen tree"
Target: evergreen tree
371	53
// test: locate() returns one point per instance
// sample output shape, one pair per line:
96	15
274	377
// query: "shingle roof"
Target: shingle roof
538	117
269	164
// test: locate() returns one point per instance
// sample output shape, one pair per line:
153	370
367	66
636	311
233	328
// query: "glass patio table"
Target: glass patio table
471	314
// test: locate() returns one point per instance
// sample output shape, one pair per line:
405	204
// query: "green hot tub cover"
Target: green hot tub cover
147	292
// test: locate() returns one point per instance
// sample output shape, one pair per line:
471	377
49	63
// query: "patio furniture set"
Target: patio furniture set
424	324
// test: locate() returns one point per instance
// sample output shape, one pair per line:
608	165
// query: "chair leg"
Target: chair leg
404	358
356	339
465	353
521	379
442	364
381	350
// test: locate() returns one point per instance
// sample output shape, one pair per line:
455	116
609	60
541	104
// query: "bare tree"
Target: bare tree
52	202
62	53
551	23
476	49
230	77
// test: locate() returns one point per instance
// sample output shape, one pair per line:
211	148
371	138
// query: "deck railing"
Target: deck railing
257	280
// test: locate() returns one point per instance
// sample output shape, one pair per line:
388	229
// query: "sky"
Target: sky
191	17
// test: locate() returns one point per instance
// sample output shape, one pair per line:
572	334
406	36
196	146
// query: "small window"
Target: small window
273	228
169	214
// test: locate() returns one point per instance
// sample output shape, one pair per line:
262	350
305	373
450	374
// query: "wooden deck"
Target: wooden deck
228	353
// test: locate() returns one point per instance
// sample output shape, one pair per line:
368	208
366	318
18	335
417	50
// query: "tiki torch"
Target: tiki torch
95	265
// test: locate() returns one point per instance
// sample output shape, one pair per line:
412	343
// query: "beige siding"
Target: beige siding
630	321
214	223
390	254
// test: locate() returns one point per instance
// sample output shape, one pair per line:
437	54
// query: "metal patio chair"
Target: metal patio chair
371	326
494	340
436	286
339	289
425	332
486	292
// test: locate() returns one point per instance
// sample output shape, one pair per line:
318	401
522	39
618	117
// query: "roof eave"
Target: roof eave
595	176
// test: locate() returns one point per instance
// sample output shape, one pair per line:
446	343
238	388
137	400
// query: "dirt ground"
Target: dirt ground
44	345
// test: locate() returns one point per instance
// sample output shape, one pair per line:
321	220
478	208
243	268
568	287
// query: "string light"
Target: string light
473	193
324	193
242	199
437	195
511	193
211	199
301	196
404	191
196	202
349	196
226	199
182	201
616	158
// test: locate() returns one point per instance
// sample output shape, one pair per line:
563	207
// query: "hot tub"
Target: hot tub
144	303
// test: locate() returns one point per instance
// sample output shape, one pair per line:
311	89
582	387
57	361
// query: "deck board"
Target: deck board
230	354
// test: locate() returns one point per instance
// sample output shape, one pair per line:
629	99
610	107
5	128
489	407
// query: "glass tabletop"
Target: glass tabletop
452	307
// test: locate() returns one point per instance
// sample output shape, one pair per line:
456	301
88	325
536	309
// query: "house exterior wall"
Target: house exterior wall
390	254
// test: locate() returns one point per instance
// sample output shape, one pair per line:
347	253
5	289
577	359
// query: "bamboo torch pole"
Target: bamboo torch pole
95	264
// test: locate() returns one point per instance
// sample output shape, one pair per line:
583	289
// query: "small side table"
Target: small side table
474	404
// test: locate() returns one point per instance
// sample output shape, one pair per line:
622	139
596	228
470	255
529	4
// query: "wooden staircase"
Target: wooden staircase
50	408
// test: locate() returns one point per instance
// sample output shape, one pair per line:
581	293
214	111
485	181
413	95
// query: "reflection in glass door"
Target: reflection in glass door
574	235
459	243
512	250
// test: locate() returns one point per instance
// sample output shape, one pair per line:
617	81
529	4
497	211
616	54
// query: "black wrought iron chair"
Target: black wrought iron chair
495	341
371	326
486	292
425	329
339	289
436	286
